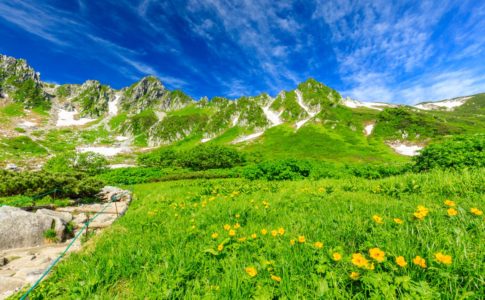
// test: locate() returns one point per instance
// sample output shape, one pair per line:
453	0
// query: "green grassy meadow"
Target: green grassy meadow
239	239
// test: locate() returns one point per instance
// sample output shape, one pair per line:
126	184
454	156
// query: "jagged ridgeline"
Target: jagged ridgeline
19	82
313	120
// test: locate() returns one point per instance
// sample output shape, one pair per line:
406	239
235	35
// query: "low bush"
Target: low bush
62	185
127	176
289	169
454	153
88	162
202	157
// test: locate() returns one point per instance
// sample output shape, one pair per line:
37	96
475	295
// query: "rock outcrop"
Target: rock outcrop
19	228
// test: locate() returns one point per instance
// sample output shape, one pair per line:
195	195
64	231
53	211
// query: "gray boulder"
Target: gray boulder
19	228
112	193
64	216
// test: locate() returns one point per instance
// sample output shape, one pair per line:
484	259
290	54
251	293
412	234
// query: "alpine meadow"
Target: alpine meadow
138	186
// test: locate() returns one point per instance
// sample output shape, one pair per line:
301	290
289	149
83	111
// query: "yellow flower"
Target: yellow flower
442	258
238	216
377	219
264	232
236	226
452	212
359	260
227	227
354	275
281	230
274	232
449	203
337	256
377	254
301	239
254	235
276	278
232	232
370	266
419	261
318	245
220	247
476	211
421	212
292	242
251	271
400	261
398	221
214	235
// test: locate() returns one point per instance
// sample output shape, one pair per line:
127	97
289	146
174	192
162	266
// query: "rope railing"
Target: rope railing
86	224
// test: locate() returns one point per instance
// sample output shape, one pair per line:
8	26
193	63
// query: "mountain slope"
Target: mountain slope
311	121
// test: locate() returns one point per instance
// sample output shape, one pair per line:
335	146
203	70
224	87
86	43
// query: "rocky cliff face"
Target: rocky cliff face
20	83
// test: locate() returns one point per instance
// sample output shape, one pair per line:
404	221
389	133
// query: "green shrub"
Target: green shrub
60	185
88	162
127	176
289	169
160	158
204	157
378	171
455	153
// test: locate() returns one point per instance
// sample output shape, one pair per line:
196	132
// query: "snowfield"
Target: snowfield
408	150
311	114
104	150
67	118
113	106
247	137
368	129
373	105
449	104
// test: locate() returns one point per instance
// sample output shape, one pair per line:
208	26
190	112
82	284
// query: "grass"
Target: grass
166	247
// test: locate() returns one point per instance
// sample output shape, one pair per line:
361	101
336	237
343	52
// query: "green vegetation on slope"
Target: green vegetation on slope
281	242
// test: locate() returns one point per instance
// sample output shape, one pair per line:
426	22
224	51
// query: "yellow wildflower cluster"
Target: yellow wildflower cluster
251	271
443	258
336	256
421	212
401	261
450	203
452	212
377	254
476	211
419	261
377	219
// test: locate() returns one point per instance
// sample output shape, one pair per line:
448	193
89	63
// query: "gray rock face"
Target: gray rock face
112	193
146	93
19	228
64	216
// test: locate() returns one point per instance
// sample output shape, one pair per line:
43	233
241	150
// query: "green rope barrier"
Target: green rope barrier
64	252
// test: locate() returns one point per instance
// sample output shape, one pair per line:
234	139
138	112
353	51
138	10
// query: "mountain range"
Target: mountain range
39	119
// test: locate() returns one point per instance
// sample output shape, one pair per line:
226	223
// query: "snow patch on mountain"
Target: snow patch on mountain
273	117
311	114
68	118
369	128
245	138
372	105
113	105
448	104
104	150
405	149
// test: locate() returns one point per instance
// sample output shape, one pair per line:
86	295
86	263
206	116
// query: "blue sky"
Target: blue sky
394	51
